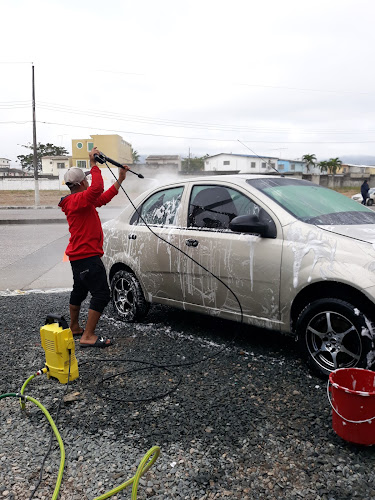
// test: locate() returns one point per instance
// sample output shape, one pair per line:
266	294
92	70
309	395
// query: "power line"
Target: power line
170	123
304	90
16	106
184	124
141	119
243	84
131	132
16	122
16	62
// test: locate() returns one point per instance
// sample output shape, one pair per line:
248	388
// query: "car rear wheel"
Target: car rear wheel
370	202
333	334
128	301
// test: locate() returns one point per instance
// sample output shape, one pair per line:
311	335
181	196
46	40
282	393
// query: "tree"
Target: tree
135	156
195	164
310	160
323	165
41	150
333	165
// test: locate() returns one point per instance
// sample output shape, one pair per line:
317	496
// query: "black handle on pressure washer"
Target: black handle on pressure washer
102	158
57	318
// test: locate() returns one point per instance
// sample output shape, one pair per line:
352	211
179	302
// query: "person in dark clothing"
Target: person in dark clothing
85	247
364	192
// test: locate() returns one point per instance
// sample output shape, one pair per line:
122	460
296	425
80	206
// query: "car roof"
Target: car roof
232	177
240	178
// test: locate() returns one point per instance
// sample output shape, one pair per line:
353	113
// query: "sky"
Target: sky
270	78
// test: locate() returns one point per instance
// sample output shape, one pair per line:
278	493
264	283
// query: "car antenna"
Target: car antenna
267	161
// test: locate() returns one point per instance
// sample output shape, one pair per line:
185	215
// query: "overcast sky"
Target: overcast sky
277	78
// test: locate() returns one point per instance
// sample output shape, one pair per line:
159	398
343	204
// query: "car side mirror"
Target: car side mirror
252	224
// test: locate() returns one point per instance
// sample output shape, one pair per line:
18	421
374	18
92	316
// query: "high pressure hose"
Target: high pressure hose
103	159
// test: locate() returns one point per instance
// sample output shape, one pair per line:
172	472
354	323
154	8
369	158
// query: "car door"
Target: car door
153	243
245	267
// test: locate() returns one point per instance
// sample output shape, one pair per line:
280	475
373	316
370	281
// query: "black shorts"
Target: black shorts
89	276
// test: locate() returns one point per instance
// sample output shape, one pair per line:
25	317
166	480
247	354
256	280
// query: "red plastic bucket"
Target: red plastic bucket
353	404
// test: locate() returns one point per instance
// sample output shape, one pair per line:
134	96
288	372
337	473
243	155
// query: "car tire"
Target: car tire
128	301
333	333
370	202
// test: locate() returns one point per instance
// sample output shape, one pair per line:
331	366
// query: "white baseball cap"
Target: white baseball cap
75	176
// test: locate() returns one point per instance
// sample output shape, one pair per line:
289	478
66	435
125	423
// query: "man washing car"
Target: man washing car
85	247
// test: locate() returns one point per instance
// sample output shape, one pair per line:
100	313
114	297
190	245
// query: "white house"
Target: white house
52	165
228	162
165	161
4	163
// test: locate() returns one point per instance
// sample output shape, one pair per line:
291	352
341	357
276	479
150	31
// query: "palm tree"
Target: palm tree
323	165
333	165
135	156
310	160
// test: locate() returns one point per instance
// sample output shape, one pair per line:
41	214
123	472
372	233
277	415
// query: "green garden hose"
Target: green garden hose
54	428
22	401
143	467
146	462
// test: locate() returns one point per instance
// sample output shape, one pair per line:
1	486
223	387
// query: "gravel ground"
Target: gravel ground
248	423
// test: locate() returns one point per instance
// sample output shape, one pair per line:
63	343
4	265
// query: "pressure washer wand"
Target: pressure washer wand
102	158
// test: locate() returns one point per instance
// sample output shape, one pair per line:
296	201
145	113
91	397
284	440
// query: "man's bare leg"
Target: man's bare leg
74	319
89	336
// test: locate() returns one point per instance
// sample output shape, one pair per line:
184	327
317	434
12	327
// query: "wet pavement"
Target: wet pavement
32	247
46	215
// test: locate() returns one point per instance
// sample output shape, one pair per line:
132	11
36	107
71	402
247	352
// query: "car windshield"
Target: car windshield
313	204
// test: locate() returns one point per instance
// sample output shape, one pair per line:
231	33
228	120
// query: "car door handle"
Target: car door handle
191	243
132	236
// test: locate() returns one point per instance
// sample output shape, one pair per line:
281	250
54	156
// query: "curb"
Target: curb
32	221
28	207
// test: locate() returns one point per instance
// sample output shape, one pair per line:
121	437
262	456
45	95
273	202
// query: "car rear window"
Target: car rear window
312	203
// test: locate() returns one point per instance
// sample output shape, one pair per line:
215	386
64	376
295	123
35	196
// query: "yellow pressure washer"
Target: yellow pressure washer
58	344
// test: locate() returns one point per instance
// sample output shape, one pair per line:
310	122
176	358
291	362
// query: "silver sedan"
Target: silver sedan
270	251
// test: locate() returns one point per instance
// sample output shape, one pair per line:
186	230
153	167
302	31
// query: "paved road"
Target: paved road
47	215
32	245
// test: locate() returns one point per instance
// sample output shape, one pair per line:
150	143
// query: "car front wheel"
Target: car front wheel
333	334
128	301
370	202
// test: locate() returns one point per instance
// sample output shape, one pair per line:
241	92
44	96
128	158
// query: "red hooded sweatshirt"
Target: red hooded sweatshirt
86	234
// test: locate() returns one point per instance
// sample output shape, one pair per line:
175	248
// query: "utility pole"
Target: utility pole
35	159
189	162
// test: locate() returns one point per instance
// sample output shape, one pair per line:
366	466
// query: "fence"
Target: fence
154	177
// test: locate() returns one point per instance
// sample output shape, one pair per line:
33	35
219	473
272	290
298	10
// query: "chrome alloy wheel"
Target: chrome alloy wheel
128	301
123	296
333	341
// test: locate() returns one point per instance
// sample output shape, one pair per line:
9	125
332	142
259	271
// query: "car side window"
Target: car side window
244	205
160	208
215	206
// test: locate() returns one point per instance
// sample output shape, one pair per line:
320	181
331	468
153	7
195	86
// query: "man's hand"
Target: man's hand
121	176
122	173
94	151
